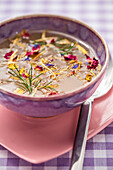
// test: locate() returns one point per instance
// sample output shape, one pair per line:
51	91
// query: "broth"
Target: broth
46	63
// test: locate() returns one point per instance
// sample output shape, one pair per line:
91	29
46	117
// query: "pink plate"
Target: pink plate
102	114
39	139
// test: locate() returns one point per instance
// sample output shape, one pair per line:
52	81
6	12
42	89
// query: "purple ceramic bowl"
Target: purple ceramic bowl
53	105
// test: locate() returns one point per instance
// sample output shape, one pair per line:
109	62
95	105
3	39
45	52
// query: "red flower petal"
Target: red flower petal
39	67
70	57
87	57
94	64
36	48
52	93
23	74
72	73
8	55
14	59
25	34
28	53
52	41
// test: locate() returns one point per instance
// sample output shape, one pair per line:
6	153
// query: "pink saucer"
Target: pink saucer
39	139
102	114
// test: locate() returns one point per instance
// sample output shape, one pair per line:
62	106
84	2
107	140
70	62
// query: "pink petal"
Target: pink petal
36	48
23	74
39	67
70	57
8	55
29	53
53	93
52	41
94	64
25	34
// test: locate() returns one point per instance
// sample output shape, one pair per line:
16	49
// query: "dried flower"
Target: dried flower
88	77
80	48
19	91
76	66
12	66
88	59
29	53
15	58
62	54
27	59
53	93
72	73
25	34
93	64
25	74
38	68
49	64
52	41
70	57
21	70
35	48
8	55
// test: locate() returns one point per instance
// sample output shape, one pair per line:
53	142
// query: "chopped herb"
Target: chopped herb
65	48
39	43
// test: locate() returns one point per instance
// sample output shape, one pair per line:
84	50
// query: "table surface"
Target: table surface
99	15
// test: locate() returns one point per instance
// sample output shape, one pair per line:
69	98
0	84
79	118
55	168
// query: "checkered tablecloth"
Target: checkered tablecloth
99	15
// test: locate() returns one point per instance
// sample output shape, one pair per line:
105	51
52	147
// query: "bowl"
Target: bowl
56	104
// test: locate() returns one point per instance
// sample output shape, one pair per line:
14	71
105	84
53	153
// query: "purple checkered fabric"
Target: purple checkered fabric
99	15
98	156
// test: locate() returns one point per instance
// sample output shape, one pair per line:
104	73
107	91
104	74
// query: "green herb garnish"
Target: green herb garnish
65	48
39	42
30	83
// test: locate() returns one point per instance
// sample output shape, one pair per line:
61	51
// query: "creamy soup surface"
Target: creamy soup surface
46	63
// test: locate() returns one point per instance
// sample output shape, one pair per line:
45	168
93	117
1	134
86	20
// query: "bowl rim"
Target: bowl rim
72	92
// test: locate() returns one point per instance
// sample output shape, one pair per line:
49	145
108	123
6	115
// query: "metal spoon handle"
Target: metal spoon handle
81	136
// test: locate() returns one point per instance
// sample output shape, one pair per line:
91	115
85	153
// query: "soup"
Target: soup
46	63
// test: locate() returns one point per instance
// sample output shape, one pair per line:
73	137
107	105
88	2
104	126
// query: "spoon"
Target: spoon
84	119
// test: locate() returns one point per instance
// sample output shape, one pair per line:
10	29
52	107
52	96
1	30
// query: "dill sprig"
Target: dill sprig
39	42
22	82
30	83
65	48
45	86
51	88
